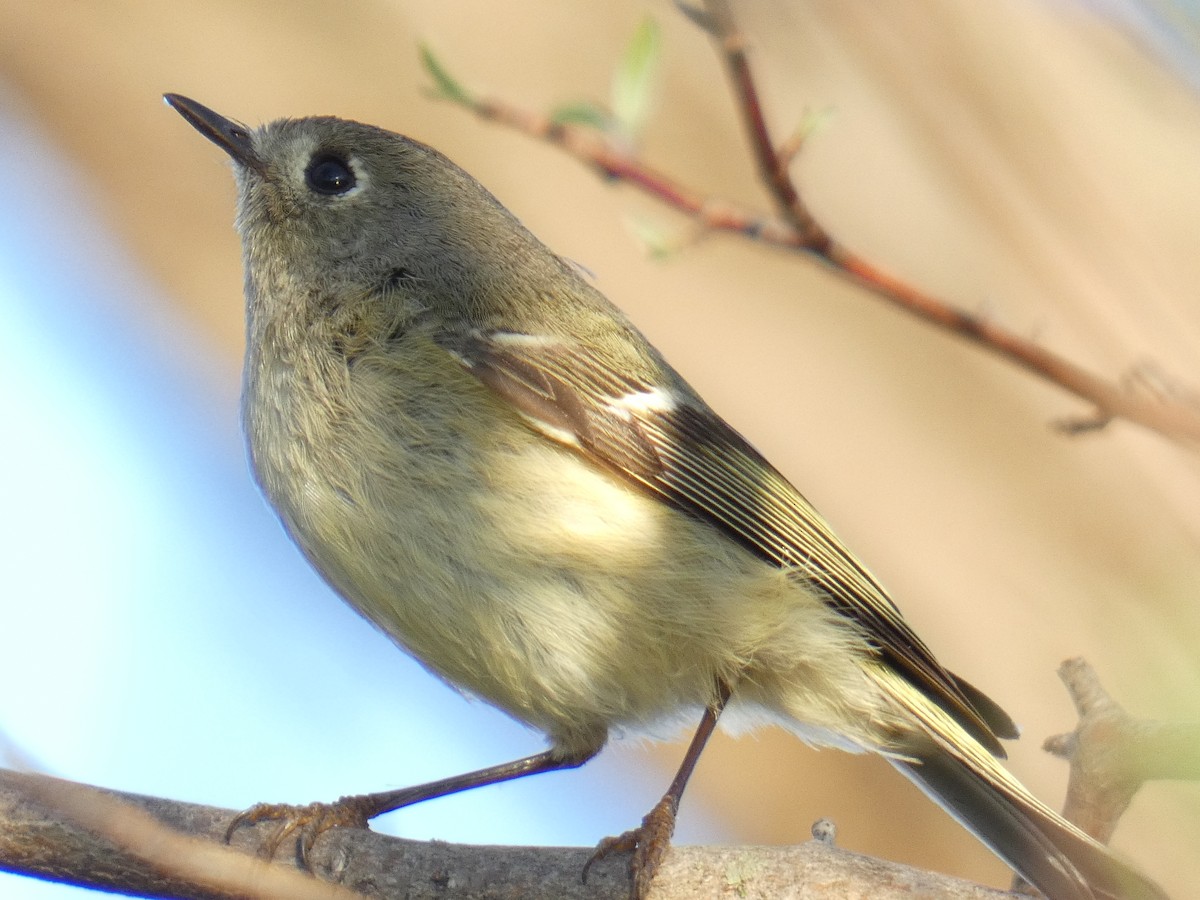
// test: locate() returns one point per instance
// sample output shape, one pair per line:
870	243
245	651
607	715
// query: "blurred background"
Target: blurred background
1035	162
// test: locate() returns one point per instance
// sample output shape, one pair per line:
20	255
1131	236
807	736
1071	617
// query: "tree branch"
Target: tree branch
1112	754
1170	417
152	847
1172	414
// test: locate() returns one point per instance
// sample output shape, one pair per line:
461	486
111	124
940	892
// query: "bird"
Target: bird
485	457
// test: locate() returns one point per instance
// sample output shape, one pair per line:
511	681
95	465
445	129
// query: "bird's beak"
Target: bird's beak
231	137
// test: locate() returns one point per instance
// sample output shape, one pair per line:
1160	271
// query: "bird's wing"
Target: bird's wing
668	442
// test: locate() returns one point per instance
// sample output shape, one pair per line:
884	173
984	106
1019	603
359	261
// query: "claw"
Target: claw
625	843
309	821
648	843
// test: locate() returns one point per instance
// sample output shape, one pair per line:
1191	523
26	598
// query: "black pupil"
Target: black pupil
329	175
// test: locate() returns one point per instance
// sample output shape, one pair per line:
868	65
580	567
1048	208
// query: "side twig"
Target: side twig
1112	754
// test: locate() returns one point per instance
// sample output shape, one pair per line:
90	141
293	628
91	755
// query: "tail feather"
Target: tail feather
1047	850
989	710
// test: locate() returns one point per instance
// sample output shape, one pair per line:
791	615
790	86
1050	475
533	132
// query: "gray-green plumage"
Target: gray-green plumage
485	458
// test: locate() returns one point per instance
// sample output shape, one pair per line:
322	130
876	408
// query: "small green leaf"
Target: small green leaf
654	237
445	85
815	120
633	82
583	113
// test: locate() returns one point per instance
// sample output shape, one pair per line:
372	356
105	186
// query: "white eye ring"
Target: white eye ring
331	175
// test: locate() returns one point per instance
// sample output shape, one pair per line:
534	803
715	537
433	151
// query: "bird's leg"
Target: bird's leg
649	841
311	821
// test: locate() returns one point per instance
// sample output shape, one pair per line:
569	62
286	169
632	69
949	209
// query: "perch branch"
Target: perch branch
152	847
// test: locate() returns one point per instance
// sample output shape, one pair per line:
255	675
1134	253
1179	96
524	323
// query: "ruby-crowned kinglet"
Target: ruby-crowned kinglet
485	458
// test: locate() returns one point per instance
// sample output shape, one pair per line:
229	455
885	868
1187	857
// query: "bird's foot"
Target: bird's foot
305	823
648	843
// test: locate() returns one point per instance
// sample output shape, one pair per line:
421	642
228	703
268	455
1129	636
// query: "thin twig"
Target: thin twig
615	162
1169	417
794	229
772	165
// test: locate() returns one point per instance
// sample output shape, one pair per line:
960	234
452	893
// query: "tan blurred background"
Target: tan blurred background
1026	160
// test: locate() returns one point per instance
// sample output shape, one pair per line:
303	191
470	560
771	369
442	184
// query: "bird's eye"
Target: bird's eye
329	175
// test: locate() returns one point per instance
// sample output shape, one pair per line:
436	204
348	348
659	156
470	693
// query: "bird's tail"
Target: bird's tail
967	781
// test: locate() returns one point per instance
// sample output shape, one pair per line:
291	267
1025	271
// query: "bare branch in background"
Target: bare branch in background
1173	414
